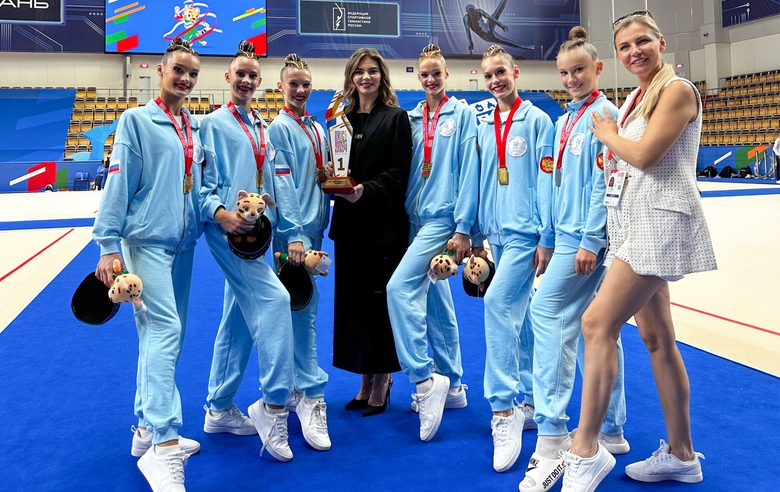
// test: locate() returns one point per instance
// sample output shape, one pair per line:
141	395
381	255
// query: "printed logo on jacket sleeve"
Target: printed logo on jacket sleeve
600	161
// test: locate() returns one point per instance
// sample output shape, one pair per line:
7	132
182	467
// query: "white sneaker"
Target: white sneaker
143	442
585	474
507	439
272	428
292	401
665	466
528	412
314	423
431	406
615	444
542	473
164	472
456	398
231	421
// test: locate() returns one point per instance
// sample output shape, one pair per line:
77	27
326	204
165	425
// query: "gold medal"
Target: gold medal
259	180
503	176
426	170
187	183
321	176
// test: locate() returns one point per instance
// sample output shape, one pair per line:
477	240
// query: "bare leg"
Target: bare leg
366	384
379	390
671	379
622	295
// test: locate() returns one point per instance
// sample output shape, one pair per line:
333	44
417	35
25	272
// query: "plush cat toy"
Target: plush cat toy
312	261
127	287
477	270
443	266
251	206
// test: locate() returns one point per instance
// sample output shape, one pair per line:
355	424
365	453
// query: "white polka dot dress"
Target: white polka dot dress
659	227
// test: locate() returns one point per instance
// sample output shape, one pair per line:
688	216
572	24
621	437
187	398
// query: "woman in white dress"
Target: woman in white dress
657	233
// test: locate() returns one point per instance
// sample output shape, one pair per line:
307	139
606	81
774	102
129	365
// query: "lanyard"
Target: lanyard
186	146
428	133
259	153
315	146
630	108
566	132
501	142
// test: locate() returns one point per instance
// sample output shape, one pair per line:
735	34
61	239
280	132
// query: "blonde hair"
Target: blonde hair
432	51
293	60
351	95
496	50
578	40
657	85
178	44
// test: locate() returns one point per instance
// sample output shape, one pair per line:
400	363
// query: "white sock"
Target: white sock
217	413
548	446
425	386
312	401
456	389
144	433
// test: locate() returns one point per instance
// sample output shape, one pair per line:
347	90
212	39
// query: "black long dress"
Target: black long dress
370	238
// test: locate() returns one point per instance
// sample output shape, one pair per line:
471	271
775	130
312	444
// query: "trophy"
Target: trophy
340	135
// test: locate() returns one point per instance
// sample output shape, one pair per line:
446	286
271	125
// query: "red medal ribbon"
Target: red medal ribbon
501	142
566	132
428	133
186	146
315	146
259	153
630	108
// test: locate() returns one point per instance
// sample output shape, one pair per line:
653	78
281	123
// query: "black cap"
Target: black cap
253	244
297	281
90	303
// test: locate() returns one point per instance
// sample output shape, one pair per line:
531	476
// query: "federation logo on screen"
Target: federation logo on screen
339	18
32	11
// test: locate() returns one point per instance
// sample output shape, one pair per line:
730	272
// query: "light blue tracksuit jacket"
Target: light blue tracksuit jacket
438	206
145	208
303	211
515	218
256	306
579	219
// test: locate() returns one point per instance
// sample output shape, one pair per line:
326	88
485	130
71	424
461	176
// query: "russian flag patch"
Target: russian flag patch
282	170
113	167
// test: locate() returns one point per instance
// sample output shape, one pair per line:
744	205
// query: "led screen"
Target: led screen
213	27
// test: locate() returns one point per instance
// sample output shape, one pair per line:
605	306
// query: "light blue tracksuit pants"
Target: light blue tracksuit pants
418	309
256	310
508	335
167	276
556	316
310	379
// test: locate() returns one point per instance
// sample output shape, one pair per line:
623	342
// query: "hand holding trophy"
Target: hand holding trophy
340	135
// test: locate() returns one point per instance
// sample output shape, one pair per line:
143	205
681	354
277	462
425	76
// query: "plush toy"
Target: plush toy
477	270
251	206
127	287
443	266
311	261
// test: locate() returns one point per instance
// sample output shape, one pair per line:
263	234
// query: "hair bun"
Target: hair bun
495	49
246	47
578	32
294	60
178	44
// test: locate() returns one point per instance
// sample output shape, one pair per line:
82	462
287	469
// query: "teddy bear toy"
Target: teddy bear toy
477	270
127	287
443	266
312	261
250	206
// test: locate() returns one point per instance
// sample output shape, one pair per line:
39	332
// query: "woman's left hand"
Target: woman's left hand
603	126
355	195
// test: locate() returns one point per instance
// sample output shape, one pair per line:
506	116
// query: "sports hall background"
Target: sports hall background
66	404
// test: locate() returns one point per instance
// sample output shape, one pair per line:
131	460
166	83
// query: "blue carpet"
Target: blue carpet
745	192
22	225
68	394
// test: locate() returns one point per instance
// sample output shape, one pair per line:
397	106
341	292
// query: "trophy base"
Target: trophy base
339	185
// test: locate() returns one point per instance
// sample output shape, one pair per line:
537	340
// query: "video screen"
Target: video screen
212	27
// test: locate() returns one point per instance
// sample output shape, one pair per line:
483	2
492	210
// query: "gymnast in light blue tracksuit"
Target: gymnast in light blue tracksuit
579	219
441	201
150	206
514	215
256	308
303	210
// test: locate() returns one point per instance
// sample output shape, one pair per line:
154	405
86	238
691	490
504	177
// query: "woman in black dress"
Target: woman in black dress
370	229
